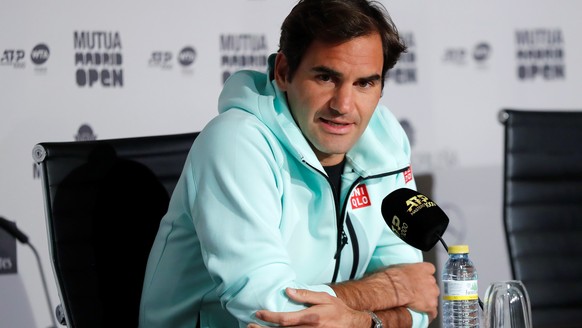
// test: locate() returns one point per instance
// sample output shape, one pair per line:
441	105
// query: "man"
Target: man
276	219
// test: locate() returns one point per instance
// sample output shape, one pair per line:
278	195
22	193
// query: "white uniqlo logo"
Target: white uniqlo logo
408	175
360	197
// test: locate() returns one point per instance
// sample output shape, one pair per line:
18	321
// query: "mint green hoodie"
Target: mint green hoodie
254	213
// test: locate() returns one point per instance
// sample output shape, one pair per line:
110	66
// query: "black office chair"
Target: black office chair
542	211
104	200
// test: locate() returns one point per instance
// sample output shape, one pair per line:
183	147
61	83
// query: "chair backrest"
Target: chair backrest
103	202
542	211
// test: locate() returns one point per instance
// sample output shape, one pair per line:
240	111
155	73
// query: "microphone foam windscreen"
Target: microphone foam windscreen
414	217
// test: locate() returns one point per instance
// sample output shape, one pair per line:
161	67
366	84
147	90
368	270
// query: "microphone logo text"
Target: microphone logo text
397	229
418	202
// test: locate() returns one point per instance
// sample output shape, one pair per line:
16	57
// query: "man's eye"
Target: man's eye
324	77
366	84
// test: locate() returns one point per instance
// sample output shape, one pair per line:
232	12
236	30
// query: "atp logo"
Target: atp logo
161	59
13	57
418	202
397	228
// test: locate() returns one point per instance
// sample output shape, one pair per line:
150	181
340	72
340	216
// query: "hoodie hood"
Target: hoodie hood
257	94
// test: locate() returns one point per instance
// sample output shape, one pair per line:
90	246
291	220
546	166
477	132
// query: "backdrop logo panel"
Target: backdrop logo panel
164	59
540	54
480	54
242	51
455	55
13	58
161	59
405	70
98	59
187	56
39	56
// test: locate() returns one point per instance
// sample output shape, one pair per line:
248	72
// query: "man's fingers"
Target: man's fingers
308	296
285	319
289	319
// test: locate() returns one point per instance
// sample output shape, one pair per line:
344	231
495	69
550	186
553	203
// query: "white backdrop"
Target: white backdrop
159	67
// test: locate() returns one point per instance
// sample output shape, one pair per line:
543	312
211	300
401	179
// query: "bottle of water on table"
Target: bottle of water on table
460	292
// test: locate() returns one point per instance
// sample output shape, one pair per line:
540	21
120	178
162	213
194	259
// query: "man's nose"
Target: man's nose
342	101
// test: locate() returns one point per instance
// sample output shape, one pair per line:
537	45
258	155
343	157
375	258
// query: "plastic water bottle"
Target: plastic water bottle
460	290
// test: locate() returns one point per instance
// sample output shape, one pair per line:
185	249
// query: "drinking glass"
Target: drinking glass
507	305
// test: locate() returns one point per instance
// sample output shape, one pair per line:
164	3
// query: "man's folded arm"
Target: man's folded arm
407	285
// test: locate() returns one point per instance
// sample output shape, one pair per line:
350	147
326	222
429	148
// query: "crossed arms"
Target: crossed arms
389	293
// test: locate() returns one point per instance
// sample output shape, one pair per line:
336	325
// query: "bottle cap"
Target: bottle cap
459	249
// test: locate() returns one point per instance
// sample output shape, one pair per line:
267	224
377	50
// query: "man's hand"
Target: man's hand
325	311
409	285
415	286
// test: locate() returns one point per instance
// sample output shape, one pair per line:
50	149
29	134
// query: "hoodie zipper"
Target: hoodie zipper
355	246
342	238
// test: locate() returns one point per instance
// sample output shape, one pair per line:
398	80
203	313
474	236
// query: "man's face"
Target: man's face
334	92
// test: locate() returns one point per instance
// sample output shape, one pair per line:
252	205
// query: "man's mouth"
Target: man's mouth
334	123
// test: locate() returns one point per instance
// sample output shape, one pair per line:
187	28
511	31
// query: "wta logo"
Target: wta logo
187	56
40	54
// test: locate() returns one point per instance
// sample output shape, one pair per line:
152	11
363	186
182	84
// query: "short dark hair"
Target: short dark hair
337	21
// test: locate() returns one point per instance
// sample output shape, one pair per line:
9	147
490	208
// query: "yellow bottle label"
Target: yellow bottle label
460	298
460	290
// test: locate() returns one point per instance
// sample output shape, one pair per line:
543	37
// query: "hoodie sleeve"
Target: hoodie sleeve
237	214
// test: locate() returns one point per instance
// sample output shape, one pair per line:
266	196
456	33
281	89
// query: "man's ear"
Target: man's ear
281	71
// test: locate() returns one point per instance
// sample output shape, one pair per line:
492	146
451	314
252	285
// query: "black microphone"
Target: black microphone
415	218
11	228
